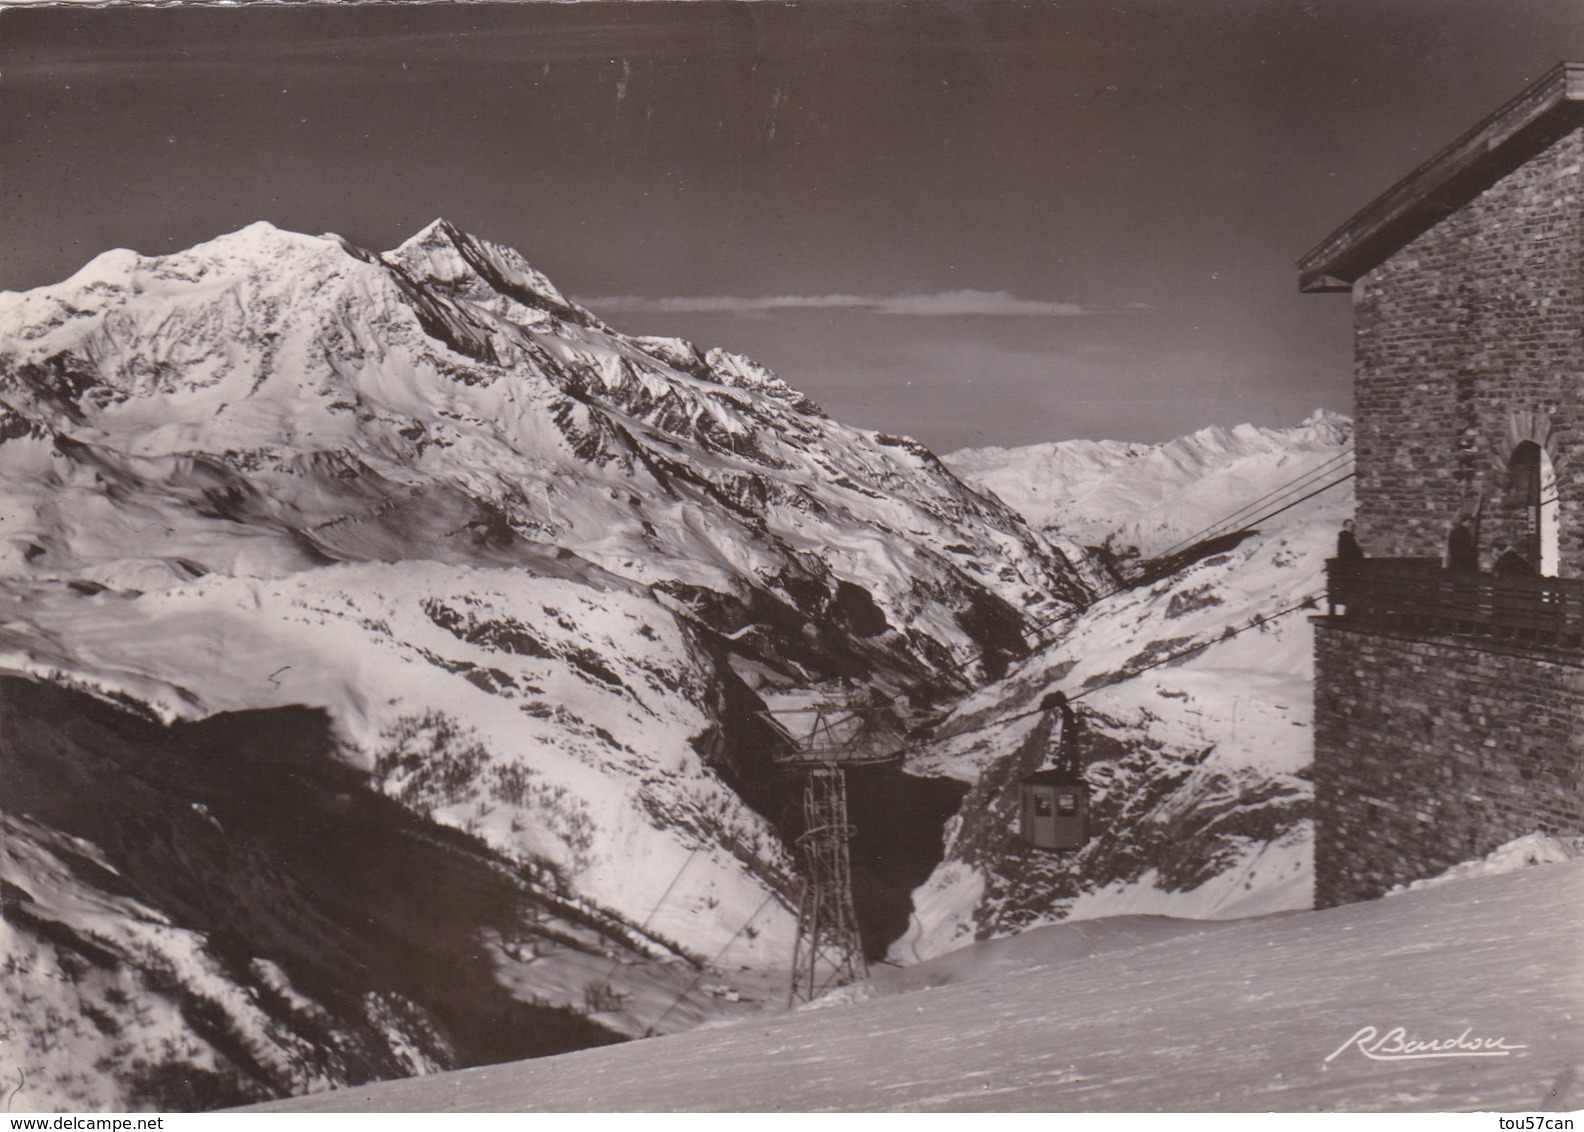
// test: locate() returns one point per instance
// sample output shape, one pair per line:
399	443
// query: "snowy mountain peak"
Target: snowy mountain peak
443	256
253	245
257	242
1322	428
1329	424
437	253
438	230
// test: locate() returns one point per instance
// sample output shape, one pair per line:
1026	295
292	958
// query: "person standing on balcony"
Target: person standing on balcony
1462	553
1348	548
1509	563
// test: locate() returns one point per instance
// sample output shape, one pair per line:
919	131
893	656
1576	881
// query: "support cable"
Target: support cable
1319	471
649	1033
1334	483
1259	622
616	962
1311	602
1039	628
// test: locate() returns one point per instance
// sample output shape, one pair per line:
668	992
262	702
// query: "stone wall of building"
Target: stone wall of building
1470	340
1433	751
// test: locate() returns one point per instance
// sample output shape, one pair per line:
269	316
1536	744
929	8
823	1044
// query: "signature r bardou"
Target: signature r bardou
1396	1045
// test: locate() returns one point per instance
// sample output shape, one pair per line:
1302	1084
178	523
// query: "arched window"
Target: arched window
1532	492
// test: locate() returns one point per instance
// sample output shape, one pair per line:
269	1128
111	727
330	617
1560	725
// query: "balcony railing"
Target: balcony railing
1417	593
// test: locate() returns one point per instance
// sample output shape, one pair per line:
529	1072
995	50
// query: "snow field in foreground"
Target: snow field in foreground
1137	1014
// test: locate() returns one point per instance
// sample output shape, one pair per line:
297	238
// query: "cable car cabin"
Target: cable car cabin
1054	810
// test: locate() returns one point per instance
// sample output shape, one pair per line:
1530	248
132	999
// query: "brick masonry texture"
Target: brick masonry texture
1433	751
1472	326
1430	751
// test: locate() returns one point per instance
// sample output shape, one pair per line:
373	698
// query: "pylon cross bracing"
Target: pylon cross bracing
829	952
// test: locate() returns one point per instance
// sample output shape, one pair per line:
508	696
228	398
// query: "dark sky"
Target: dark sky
972	221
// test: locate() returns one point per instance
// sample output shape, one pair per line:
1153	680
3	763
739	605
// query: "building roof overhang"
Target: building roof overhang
1548	110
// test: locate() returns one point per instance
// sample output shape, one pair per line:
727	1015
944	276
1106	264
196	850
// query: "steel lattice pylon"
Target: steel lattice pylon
829	952
823	742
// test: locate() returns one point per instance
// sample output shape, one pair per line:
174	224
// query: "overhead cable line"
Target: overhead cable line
1260	621
648	1033
1039	628
643	927
1310	602
1287	507
1237	518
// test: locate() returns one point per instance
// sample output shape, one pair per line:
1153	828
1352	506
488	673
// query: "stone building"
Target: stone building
1449	703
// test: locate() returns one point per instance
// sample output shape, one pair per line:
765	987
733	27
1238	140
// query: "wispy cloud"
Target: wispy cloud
941	304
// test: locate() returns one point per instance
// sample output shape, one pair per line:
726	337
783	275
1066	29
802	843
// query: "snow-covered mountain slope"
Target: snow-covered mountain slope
1286	1013
270	401
284	933
1148	496
560	733
1197	694
531	578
